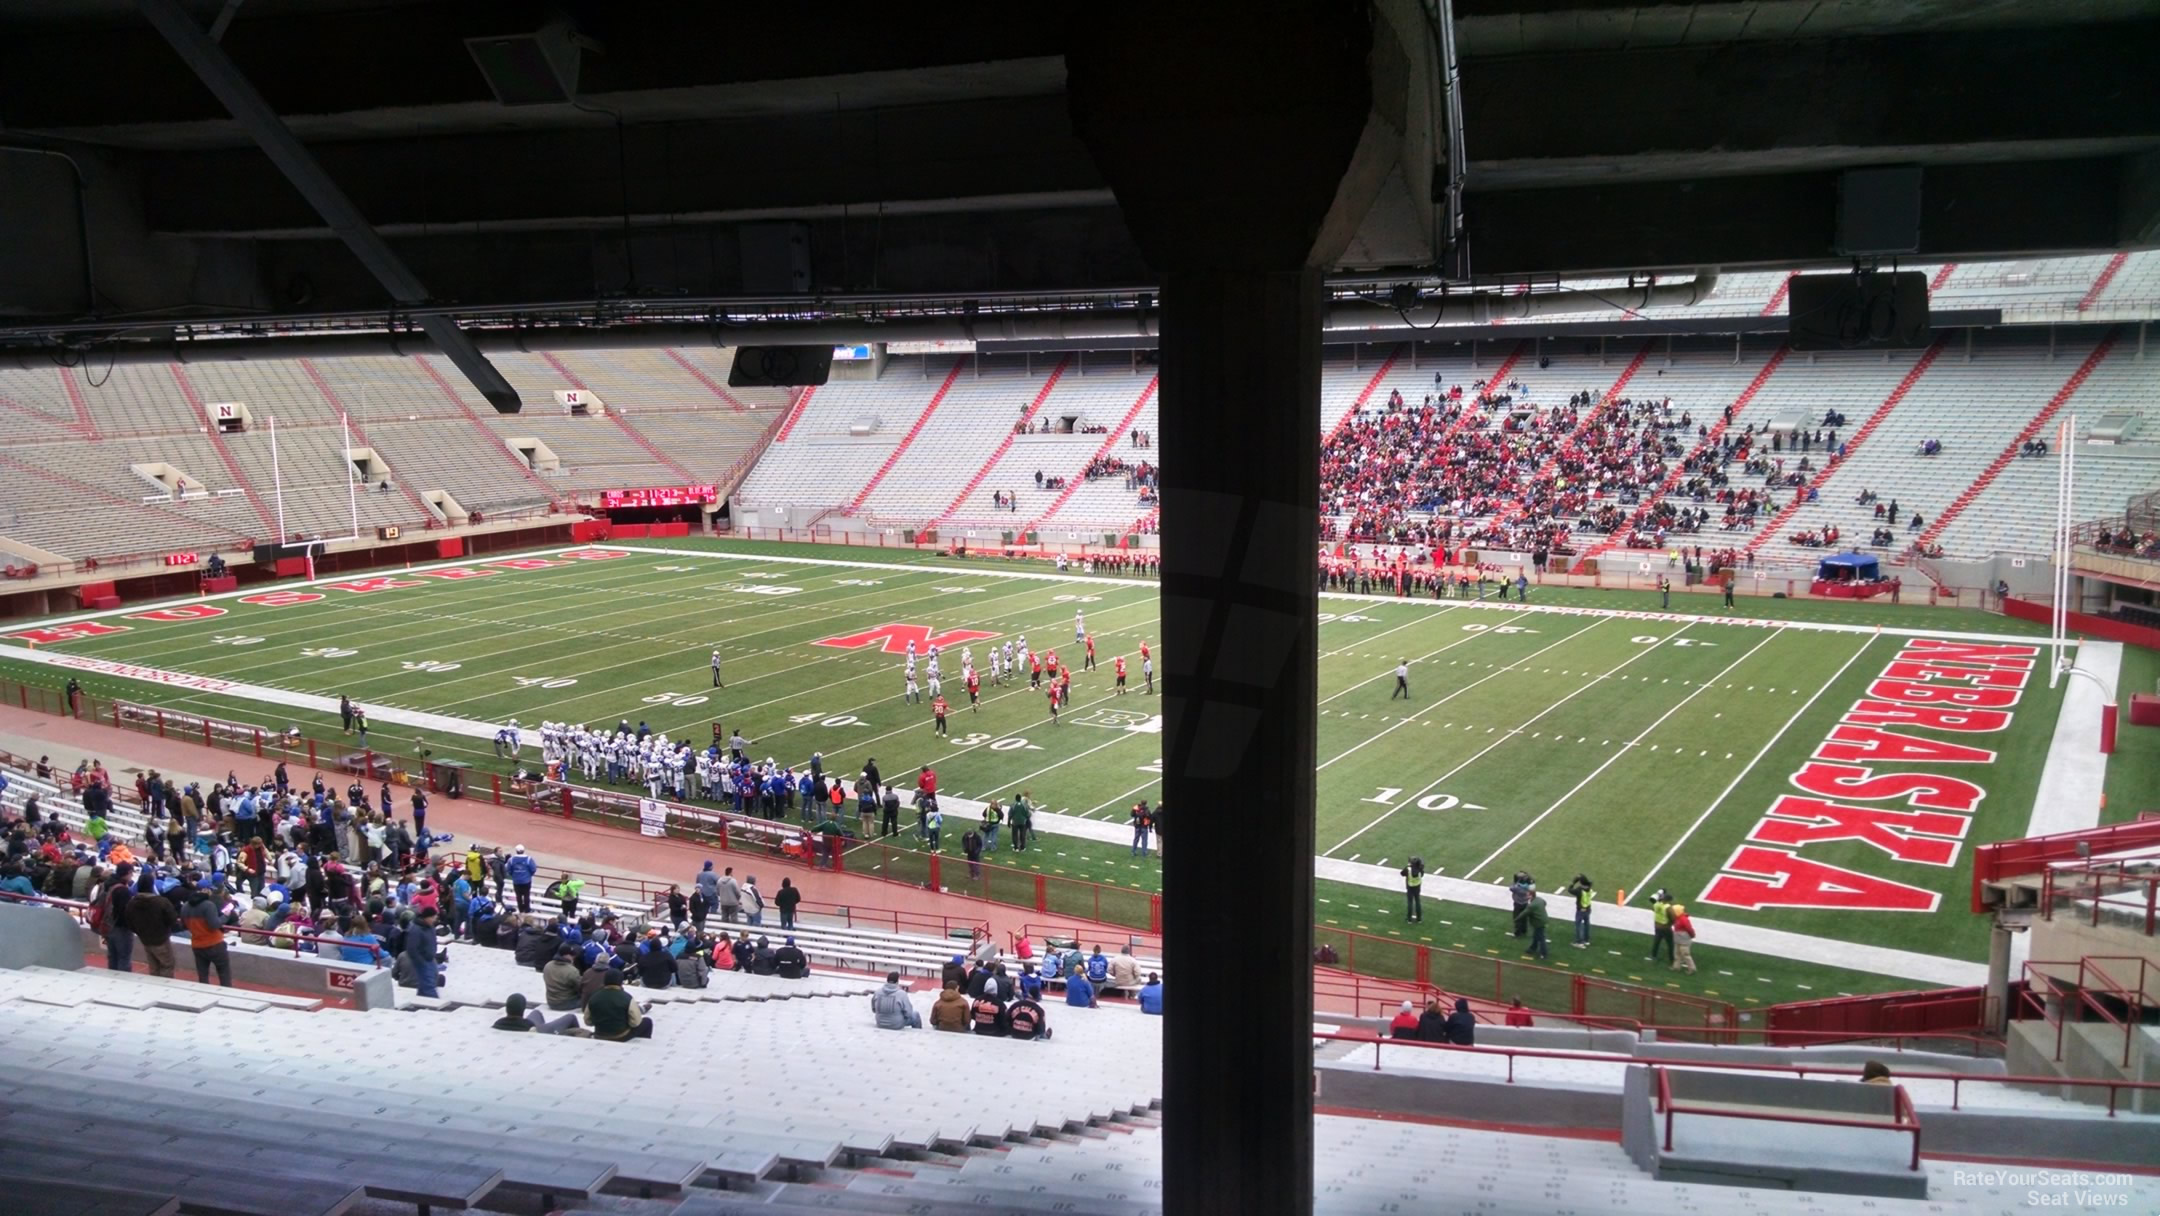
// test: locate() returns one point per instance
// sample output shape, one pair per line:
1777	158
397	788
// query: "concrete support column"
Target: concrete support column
1241	403
1998	979
1246	143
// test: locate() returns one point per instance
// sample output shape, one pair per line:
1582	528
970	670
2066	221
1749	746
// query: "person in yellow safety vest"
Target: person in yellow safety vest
1661	919
1413	876
1580	888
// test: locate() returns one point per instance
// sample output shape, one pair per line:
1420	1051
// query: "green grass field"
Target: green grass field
1589	733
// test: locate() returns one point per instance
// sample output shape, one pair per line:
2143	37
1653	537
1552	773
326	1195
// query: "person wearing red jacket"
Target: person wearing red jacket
1517	1015
1683	936
937	712
926	782
1405	1024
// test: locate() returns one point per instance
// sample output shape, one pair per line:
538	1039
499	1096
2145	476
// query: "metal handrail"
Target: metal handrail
1957	1079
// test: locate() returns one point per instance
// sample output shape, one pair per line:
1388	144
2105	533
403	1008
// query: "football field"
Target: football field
1788	764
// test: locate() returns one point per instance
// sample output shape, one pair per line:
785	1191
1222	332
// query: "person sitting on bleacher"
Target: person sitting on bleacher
893	1009
789	962
692	970
955	972
1462	1024
517	1018
738	952
655	966
1124	974
1151	995
559	980
1079	992
536	942
764	960
1031	984
1405	1023
613	1015
1025	1019
950	1011
987	1015
1098	968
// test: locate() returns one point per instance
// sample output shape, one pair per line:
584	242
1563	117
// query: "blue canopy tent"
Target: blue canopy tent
1849	568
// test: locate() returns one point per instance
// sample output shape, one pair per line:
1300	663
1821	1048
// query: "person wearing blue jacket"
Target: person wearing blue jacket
1098	967
521	869
1151	995
420	952
1079	993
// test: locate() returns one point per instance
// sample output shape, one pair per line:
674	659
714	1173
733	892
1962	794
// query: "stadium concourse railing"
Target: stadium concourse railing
1460	972
1958	1080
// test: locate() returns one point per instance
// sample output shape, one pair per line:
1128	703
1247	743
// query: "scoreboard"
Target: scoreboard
661	496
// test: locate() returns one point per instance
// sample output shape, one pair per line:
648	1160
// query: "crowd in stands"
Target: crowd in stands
979	994
1005	500
1484	469
2033	447
1048	483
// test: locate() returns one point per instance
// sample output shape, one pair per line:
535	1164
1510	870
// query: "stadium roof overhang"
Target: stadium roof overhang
720	153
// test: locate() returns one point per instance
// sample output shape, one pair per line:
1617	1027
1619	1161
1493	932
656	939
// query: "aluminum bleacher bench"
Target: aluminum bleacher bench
47	1197
207	1188
545	1171
398	1171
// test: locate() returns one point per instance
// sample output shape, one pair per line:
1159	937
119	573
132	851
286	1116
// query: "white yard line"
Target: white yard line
1749	767
1586	686
1623	750
1414	714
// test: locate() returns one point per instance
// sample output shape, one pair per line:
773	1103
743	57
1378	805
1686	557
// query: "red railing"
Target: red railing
1148	945
1902	1115
1957	1080
2013	858
2055	997
2130	895
1938	1013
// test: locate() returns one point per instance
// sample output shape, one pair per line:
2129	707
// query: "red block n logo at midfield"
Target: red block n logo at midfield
894	639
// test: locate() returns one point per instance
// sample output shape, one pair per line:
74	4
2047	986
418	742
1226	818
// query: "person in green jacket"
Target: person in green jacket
566	889
613	1015
1539	948
1022	816
95	828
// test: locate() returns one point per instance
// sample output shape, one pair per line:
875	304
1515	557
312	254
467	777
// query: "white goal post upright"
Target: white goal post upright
352	489
2065	493
277	481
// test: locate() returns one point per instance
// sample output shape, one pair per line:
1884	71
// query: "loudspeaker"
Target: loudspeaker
780	366
538	68
1858	311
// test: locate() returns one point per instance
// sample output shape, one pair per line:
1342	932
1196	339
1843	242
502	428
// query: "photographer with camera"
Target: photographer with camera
1580	895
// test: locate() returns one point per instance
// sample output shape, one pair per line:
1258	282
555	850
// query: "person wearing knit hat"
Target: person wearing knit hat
1405	1024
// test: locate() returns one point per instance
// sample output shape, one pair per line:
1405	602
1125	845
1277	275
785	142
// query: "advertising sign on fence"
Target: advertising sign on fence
652	817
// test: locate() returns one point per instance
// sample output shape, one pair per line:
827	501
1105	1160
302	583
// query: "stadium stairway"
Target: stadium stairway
1773	539
662	458
454	394
224	453
1702	398
2036	428
975	414
1004	444
1094	398
908	439
1109	444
